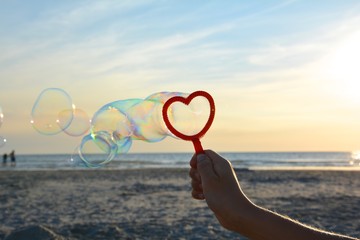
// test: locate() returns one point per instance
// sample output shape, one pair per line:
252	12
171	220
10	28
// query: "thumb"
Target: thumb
205	168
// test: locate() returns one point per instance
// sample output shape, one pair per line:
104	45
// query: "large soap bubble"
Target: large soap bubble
54	112
80	122
46	113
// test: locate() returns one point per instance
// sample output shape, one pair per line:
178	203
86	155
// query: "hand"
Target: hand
214	180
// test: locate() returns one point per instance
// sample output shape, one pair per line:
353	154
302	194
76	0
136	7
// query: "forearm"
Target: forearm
213	178
262	224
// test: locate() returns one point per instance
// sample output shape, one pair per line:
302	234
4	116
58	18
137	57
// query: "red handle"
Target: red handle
197	145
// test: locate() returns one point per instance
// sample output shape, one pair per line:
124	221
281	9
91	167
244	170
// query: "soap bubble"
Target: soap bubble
75	160
45	115
54	112
2	141
80	122
146	119
355	158
1	116
112	120
119	123
97	149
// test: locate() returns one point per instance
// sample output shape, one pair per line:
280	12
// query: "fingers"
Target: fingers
194	174
193	161
201	167
203	171
196	186
222	167
205	168
197	195
197	190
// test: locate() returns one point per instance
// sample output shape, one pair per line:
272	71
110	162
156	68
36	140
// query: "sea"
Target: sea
240	160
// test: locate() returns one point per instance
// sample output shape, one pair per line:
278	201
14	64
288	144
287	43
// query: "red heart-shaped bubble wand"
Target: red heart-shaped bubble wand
196	137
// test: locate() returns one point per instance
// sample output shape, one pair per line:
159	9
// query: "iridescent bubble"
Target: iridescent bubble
123	121
80	122
74	160
1	116
147	122
152	126
97	149
46	111
162	97
113	120
2	141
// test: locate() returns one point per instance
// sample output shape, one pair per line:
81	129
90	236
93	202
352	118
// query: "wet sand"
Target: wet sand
157	204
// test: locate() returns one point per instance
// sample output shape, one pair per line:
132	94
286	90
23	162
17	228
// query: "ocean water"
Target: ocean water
243	160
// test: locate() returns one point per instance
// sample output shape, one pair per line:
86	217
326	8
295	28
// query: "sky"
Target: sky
284	74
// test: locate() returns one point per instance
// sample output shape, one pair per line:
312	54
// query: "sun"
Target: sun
342	67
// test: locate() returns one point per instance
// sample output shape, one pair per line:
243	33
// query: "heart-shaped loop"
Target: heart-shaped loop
195	137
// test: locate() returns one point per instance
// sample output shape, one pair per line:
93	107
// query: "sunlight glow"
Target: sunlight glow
342	67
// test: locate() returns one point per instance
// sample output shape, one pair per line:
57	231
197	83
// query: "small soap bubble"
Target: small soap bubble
1	116
47	109
74	160
97	149
2	141
355	158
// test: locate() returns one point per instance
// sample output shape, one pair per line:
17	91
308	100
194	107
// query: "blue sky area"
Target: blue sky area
283	73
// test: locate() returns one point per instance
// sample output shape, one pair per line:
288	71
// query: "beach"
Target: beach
157	203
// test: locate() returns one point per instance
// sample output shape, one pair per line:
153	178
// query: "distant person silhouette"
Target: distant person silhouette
5	158
12	158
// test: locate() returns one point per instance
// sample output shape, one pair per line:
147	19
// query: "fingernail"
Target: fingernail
200	157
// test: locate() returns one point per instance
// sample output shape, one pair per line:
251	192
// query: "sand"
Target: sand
156	203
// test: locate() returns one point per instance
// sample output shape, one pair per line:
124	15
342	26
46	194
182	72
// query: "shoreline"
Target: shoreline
156	203
267	168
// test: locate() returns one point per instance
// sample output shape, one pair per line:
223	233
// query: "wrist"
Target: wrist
243	215
247	219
